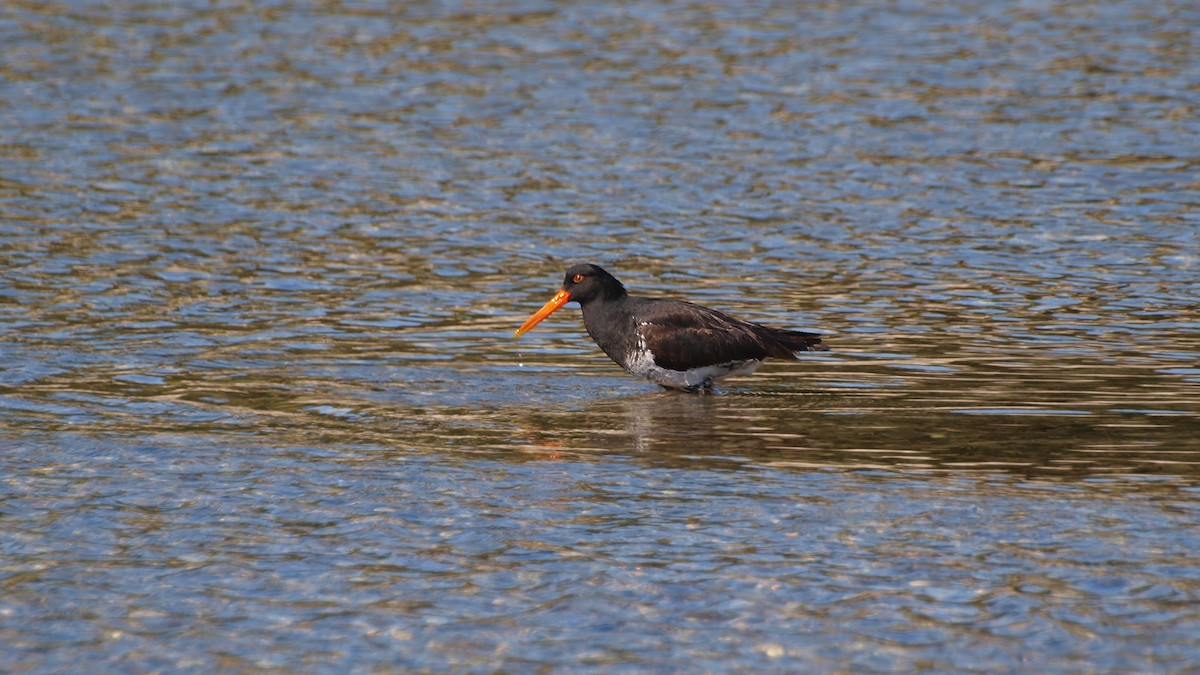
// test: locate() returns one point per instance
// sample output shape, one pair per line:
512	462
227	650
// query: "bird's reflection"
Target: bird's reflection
799	431
670	427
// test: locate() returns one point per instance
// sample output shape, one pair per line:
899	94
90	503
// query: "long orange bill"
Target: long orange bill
560	299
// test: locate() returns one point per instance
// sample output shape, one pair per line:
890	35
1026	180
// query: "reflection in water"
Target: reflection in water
821	430
260	407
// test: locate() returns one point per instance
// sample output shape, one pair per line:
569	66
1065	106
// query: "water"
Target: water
260	406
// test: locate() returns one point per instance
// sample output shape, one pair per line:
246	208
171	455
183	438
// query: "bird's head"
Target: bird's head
583	283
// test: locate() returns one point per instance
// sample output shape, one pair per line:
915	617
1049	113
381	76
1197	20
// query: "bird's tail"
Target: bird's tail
789	342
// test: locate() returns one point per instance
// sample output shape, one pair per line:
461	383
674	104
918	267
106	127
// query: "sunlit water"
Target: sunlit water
261	408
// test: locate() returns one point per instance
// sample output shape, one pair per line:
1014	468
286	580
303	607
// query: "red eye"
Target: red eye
578	278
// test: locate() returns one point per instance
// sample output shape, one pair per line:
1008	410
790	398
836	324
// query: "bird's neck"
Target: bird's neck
608	299
614	290
611	326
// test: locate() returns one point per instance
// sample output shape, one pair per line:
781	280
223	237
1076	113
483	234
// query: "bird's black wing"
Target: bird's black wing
682	336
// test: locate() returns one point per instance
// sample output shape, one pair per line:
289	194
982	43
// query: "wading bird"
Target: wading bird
674	343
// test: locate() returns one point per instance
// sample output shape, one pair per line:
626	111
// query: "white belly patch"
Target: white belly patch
640	362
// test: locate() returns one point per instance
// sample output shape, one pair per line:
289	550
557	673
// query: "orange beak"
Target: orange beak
560	299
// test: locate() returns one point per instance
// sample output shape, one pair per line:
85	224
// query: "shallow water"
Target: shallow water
261	407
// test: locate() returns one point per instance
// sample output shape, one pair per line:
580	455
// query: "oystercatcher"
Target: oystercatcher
671	342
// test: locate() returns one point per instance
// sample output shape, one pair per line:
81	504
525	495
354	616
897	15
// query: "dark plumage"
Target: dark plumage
677	344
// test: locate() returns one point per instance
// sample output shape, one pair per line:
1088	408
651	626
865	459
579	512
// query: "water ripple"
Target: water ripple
261	407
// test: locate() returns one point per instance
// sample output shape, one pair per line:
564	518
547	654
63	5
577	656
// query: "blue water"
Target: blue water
261	407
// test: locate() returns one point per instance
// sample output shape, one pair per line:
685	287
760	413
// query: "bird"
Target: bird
676	344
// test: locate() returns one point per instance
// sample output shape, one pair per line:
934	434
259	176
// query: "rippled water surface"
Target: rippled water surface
261	407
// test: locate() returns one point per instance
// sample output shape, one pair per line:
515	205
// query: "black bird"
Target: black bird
671	342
